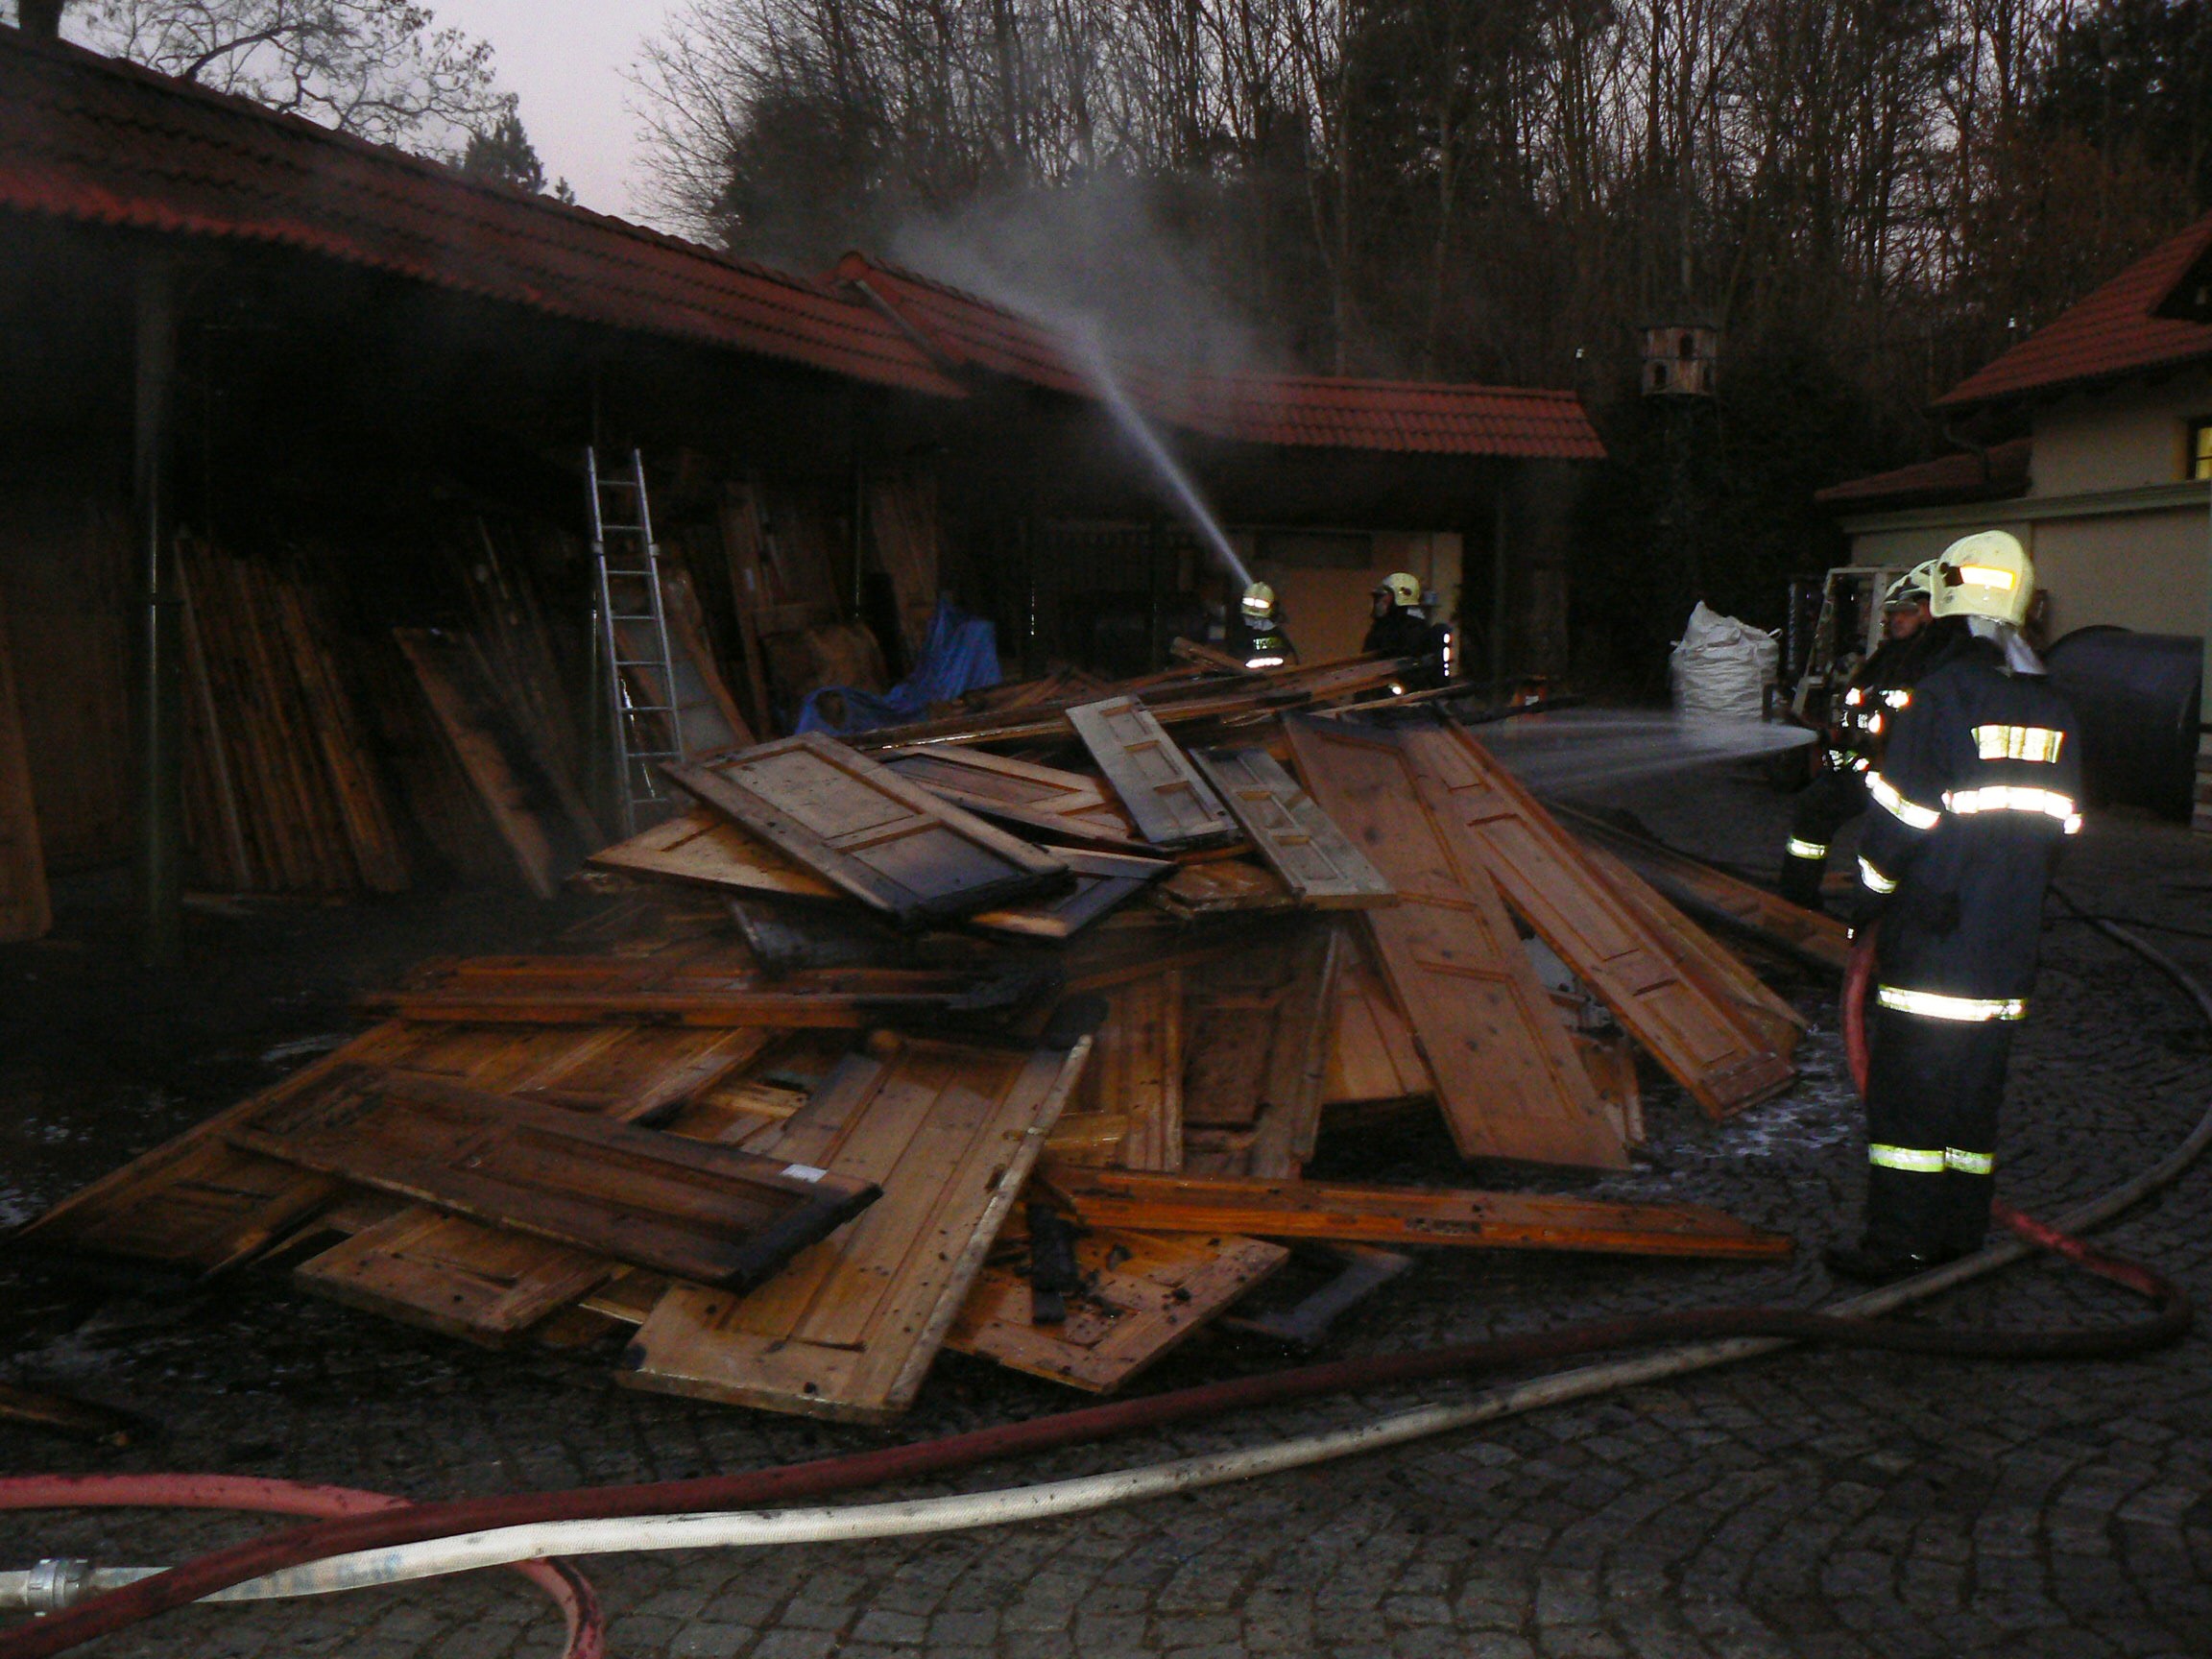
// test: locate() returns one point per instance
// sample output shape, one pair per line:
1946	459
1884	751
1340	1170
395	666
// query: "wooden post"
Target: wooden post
1499	584
160	836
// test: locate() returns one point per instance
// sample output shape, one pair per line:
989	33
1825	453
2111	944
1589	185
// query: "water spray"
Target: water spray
1569	750
1140	432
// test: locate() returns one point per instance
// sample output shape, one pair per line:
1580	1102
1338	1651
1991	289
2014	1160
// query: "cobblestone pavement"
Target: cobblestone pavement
1825	1505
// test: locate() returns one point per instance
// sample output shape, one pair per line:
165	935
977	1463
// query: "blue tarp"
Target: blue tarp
961	655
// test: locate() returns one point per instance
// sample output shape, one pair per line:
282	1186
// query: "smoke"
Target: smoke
1095	261
1099	259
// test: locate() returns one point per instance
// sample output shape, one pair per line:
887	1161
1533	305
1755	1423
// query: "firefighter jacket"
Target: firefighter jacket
1400	632
1977	790
1262	647
1878	692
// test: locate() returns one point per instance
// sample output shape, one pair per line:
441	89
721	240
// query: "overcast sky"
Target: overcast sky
566	60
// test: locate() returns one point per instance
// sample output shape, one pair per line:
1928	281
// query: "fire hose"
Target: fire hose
424	1540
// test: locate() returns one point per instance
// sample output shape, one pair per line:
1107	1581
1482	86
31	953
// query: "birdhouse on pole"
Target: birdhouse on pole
1679	359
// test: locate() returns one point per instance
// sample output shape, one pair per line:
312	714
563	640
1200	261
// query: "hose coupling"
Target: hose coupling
55	1583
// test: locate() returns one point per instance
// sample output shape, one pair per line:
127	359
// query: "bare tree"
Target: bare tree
379	69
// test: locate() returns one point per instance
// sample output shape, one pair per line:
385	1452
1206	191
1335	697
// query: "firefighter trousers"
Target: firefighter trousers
1933	1088
1824	805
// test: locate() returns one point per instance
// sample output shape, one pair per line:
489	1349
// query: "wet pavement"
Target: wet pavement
1808	1504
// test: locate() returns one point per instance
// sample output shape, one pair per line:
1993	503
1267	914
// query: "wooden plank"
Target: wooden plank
1703	1040
710	1213
887	842
704	848
1300	842
1372	1055
609	991
741	543
482	1283
1405	1215
339	738
1723	975
485	1284
1170	803
1136	1072
1507	1078
1225	887
1143	1295
196	1201
535	810
1717	898
1060	806
26	906
1103	883
849	1330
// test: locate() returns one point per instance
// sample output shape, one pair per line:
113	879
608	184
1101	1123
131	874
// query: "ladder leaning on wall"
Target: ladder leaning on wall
645	724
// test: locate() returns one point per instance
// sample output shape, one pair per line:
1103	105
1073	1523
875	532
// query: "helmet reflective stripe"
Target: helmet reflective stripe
1797	849
2018	743
2013	798
1911	1160
1874	879
1934	1005
1970	1163
1988	574
1913	817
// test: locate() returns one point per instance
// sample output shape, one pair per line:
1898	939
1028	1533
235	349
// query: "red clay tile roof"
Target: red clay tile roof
88	138
1937	483
2111	334
1306	411
1423	417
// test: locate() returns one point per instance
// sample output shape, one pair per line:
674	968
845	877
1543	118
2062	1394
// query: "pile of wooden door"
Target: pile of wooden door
1012	1034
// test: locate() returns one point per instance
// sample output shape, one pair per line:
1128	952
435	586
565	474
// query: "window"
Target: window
2201	449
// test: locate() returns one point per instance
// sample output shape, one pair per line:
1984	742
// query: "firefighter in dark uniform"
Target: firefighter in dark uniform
1976	791
1255	634
1401	628
1881	687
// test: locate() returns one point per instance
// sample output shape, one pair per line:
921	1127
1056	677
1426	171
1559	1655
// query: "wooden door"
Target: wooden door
1171	804
885	841
1549	878
1507	1077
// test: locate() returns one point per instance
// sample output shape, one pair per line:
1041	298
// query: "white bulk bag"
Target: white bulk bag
1721	666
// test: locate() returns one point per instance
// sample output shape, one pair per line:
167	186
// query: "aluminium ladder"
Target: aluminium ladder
632	639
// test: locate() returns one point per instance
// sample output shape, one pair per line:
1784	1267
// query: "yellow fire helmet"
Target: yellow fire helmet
1403	589
1988	574
1259	602
1911	588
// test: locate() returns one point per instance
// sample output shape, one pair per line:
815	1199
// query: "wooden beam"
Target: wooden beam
1403	1216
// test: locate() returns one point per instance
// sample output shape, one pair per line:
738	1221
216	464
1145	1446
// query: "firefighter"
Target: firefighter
1401	628
1977	790
1256	634
1880	688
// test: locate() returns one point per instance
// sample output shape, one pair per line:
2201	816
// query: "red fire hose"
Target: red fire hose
568	1588
220	1569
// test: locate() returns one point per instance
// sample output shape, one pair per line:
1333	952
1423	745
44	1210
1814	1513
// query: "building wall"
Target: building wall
2125	438
1327	598
2141	570
2145	570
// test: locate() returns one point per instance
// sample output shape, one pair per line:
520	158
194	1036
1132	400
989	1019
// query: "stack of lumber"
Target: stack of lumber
874	1055
280	794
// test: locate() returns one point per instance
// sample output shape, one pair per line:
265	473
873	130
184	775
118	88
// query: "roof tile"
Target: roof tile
88	138
1305	411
